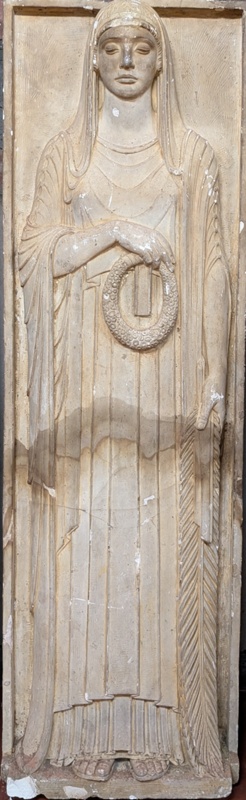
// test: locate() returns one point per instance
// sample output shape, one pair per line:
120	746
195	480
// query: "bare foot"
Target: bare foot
92	769
148	769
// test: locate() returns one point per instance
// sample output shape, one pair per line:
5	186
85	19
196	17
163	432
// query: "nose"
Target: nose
126	56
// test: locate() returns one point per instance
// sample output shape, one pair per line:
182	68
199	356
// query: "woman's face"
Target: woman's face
127	61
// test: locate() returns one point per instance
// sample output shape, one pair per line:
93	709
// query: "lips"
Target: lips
126	79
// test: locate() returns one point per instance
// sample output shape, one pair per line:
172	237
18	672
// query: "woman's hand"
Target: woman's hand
150	245
213	396
76	248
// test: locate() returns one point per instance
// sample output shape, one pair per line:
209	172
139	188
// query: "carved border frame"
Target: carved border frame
230	563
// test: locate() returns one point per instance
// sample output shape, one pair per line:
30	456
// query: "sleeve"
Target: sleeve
43	229
214	240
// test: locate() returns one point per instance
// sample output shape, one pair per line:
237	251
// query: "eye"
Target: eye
144	49
110	49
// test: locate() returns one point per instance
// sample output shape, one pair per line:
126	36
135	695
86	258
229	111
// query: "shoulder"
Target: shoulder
53	153
50	172
49	183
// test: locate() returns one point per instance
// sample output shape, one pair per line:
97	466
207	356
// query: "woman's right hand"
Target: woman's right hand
149	244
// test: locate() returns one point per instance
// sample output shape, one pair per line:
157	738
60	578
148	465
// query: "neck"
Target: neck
127	122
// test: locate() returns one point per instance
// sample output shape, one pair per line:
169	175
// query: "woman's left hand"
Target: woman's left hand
213	396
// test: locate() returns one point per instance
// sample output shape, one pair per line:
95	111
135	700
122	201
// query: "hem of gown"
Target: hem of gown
122	728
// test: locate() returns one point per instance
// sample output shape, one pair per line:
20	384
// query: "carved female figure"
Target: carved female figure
127	305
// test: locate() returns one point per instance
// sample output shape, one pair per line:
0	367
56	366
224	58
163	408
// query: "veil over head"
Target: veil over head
170	128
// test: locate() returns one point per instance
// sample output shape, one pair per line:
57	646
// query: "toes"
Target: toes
103	769
139	768
158	767
80	767
151	768
148	769
154	768
91	768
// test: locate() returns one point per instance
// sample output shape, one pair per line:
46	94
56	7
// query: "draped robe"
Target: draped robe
122	482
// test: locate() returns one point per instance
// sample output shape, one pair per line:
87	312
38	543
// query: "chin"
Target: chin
127	92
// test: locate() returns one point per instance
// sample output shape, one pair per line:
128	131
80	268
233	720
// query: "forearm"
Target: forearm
217	320
73	250
216	328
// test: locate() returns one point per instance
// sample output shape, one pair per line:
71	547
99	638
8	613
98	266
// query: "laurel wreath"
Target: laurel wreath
133	337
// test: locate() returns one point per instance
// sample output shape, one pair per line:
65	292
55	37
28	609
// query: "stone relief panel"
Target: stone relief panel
126	208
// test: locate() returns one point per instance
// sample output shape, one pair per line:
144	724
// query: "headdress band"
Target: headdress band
127	12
